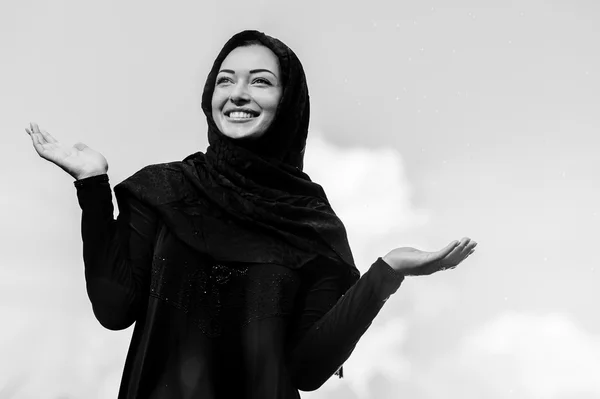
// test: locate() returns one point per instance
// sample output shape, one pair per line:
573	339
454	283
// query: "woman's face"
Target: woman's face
247	92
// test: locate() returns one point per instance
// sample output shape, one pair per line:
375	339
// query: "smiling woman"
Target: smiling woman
231	263
247	92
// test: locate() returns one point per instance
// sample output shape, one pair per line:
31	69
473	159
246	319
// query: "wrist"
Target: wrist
389	280
85	175
393	265
90	182
387	260
393	270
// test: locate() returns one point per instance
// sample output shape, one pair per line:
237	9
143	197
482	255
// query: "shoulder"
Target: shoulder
155	184
167	170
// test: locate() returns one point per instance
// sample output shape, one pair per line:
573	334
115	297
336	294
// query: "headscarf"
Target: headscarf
250	201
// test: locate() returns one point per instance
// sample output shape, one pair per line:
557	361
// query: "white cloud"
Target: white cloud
378	353
526	356
553	355
60	353
369	191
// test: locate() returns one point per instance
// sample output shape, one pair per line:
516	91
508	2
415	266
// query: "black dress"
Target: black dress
206	329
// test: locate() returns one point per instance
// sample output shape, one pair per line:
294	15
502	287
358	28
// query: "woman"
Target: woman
232	264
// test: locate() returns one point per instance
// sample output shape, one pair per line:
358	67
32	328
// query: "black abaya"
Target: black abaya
206	329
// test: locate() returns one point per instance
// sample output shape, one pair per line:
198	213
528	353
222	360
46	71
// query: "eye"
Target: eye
262	81
223	79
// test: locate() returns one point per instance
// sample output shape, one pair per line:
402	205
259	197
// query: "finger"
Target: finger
456	252
462	251
465	246
442	253
36	144
469	248
452	260
451	246
460	246
48	137
464	255
448	261
35	132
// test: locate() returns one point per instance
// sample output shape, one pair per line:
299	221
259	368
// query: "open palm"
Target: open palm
79	161
414	262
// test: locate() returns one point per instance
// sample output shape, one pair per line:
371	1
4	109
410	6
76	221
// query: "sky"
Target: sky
430	121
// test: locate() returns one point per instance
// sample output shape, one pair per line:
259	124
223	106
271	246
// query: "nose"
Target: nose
239	94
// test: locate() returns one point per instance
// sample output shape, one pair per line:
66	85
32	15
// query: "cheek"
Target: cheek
275	100
268	100
216	111
270	104
218	100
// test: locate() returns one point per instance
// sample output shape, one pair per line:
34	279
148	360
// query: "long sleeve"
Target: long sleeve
117	253
330	324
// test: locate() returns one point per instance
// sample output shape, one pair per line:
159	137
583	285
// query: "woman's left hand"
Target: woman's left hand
413	262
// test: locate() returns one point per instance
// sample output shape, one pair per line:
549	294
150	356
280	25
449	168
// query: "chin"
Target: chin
239	135
240	131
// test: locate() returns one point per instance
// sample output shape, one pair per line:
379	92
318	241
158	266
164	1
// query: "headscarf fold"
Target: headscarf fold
249	201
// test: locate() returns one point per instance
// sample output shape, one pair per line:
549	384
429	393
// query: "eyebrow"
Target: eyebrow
253	71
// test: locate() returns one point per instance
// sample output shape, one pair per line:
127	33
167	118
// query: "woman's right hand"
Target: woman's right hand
80	161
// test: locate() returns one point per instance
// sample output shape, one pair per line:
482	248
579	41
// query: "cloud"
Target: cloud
521	355
59	353
369	191
371	194
552	354
378	354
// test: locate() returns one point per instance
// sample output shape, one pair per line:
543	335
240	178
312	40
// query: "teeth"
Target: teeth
240	115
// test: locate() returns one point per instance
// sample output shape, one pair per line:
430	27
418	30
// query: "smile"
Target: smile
240	115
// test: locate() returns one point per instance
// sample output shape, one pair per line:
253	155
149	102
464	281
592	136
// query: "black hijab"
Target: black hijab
249	201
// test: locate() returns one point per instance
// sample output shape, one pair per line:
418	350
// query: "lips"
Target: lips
241	113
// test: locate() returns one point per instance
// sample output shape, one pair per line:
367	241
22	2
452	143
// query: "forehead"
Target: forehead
251	57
